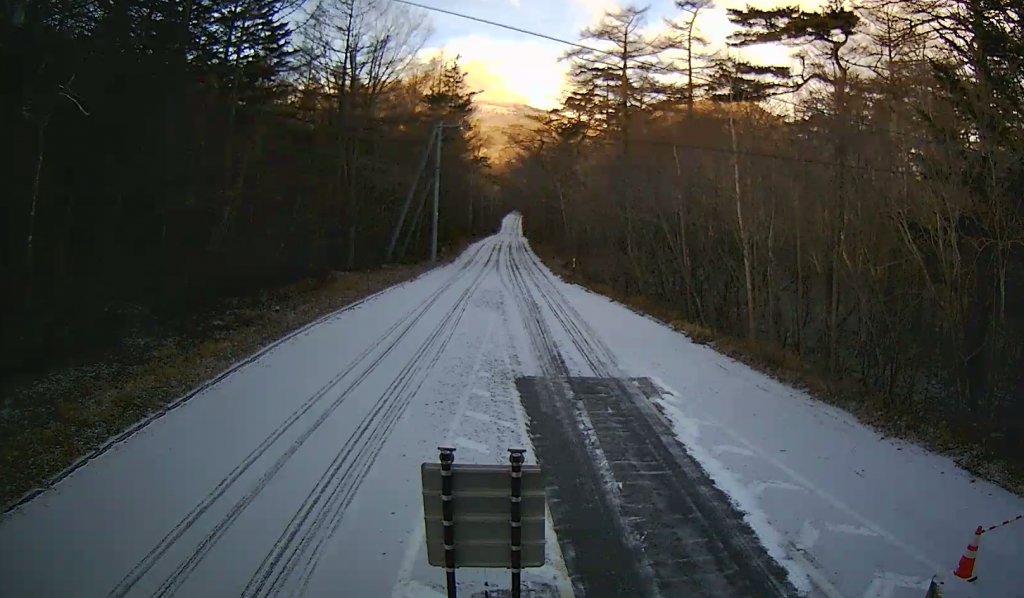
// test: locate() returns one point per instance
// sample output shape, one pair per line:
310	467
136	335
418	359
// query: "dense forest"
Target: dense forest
859	211
160	154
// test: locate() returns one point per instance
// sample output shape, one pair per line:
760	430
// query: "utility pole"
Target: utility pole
437	187
408	197
415	220
437	192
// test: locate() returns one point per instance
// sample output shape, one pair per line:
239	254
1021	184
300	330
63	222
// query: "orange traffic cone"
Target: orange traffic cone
966	568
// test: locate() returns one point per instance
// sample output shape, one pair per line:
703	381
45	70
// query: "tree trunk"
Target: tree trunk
30	240
345	151
689	69
840	220
683	249
351	262
770	283
561	206
624	100
743	232
470	222
833	312
799	279
631	253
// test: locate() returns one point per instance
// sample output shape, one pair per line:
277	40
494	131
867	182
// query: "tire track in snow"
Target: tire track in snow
223	375
340	482
629	574
568	317
366	458
802	482
157	552
547	353
578	339
174	582
741	548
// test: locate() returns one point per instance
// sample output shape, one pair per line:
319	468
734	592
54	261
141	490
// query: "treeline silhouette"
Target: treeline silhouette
160	154
856	218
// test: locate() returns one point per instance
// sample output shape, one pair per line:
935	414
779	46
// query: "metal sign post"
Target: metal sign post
498	510
516	520
448	517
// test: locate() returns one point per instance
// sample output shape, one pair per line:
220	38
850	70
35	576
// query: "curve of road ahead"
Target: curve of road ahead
298	473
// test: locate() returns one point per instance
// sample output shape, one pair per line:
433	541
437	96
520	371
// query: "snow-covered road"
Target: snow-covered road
298	473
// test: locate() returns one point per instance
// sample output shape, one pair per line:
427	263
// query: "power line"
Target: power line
752	154
667	69
755	154
501	25
663	68
654	66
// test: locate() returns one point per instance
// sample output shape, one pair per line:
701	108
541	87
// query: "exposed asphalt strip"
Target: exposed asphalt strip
659	526
634	513
589	526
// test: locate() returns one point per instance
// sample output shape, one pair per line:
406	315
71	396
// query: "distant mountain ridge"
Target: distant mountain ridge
505	108
495	119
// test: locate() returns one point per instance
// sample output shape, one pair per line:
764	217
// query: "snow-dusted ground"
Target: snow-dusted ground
298	473
861	515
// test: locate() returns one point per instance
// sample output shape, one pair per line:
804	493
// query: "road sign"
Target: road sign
483	515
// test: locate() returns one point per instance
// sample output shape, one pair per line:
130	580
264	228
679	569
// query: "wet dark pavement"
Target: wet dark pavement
634	513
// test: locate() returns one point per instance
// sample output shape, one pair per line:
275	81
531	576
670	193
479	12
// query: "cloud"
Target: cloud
507	70
527	70
597	8
714	24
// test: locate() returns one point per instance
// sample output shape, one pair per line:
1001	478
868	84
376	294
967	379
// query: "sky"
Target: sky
507	66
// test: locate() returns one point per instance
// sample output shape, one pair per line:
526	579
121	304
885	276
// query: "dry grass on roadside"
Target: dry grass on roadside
48	423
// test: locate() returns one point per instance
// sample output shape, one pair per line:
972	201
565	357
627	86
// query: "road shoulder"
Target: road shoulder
53	421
